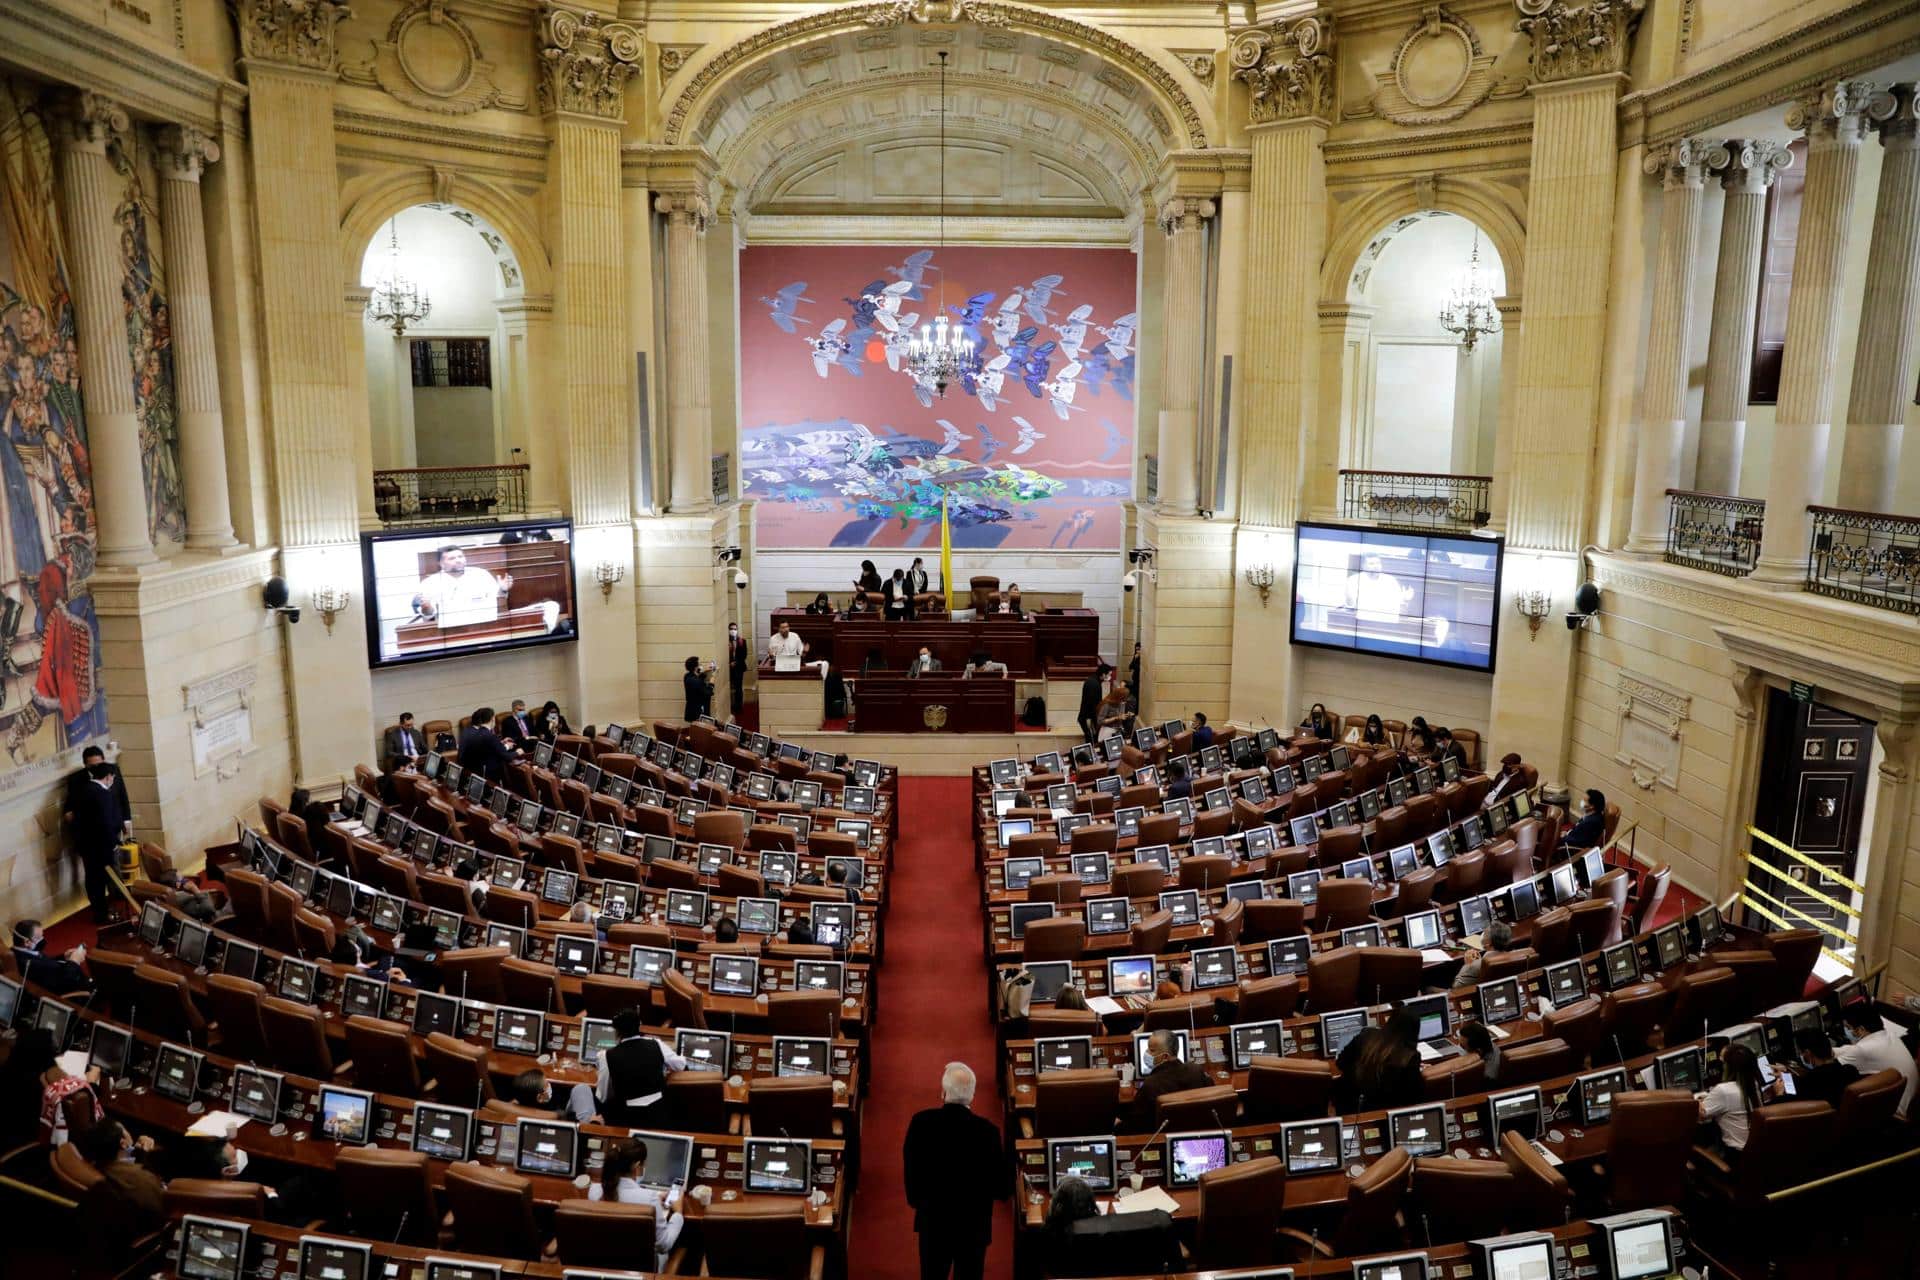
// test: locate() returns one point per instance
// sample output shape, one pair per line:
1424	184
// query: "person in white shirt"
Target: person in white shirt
785	644
1729	1105
632	1077
620	1182
1874	1048
457	595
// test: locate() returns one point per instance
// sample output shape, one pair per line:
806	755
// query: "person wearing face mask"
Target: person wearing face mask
1871	1047
129	1199
1165	1073
1591	829
98	815
55	973
739	656
516	727
1318	722
925	664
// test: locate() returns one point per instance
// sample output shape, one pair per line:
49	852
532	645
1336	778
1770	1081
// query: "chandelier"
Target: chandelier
1469	310
941	352
396	300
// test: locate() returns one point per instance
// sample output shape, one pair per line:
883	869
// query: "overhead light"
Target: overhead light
1469	311
941	353
396	299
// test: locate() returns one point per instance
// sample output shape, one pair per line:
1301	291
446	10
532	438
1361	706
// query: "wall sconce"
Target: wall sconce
1261	578
329	602
607	574
1534	605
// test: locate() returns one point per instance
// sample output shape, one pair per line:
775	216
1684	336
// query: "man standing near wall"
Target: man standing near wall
98	815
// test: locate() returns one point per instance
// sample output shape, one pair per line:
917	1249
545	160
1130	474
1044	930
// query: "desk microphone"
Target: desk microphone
1619	1052
402	1228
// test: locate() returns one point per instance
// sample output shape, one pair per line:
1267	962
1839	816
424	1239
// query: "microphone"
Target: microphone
1426	1228
1620	1054
402	1228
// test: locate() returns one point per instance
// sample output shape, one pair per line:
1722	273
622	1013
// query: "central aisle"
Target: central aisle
933	1012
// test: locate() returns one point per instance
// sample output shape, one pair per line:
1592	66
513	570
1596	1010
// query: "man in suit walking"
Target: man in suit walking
481	750
955	1171
99	814
1091	690
405	744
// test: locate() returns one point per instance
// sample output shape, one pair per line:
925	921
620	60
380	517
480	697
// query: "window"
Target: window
451	362
1776	277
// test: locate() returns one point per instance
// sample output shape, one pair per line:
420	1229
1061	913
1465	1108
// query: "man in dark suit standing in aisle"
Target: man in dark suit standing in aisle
1091	690
481	750
955	1171
99	814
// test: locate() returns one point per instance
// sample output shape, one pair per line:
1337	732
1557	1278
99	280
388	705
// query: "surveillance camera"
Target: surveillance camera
1131	581
1576	620
292	615
740	579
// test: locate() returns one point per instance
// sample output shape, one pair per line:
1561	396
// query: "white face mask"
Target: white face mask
239	1165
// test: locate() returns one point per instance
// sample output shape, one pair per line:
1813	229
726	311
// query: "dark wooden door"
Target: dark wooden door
1813	794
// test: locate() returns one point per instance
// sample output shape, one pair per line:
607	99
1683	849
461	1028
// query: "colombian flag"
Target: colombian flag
946	552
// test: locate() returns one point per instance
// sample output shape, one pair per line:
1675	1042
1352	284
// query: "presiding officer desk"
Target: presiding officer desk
1029	646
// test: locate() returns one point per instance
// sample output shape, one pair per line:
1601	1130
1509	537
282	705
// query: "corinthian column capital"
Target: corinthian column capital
684	208
182	153
296	33
84	120
1184	213
1840	112
1748	166
1572	40
1684	163
1289	68
585	62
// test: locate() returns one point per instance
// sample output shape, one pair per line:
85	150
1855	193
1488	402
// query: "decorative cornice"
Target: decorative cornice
292	33
1749	165
182	153
183	580
416	133
1572	41
585	62
1288	68
64	47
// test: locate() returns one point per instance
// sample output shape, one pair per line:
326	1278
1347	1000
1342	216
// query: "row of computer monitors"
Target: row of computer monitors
1243	751
217	1249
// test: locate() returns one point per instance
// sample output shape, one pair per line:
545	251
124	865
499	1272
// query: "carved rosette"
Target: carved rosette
685	208
1574	40
1749	165
1840	111
86	120
1684	163
296	33
585	62
182	153
1184	213
1288	68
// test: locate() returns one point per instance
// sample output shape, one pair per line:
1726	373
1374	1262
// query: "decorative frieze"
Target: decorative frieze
585	62
1288	68
431	59
295	33
1570	41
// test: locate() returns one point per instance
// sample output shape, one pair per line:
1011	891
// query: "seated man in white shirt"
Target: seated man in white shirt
1874	1048
982	664
785	644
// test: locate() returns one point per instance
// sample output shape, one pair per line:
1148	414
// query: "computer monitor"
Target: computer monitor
240	960
1704	928
1093	868
1140	1039
367	996
1591	865
1049	762
1440	846
1191	1154
1017	873
344	1116
1105	916
1595	1091
1400	1266
1065	826
1264	838
1303	830
1669	946
709	858
736	976
546	1146
778	1166
110	1049
757	915
1289	955
1213	967
1498	1001
703	1050
1311	1146
256	1093
1184	904
1518	1257
519	1031
1421	929
1021	914
1620	965
1157	855
1130	976
435	1012
596	1037
176	1072
1474	914
212	1249
687	907
1005	773
1515	1112
1472	833
1338	1029
1180	807
1253	790
1560	881
298	980
1050	976
461	1269
1523	897
802	1056
1304	886
1402	862
1421	1130
1566	982
1090	1159
1209	846
669	1159
819	975
1361	935
1010	827
153	922
1004	798
1062	1053
1248	1040
1637	1246
858	799
442	1132
1435	1013
1357	868
1313	767
1682	1069
9	1001
1246	891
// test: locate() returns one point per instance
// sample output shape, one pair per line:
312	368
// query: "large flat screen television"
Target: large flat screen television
1426	597
441	593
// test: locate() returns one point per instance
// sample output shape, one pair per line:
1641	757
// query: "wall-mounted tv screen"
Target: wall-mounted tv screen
1403	595
440	593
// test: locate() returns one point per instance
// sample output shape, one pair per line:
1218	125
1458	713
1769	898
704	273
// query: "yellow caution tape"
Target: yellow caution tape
1800	886
1790	909
1794	853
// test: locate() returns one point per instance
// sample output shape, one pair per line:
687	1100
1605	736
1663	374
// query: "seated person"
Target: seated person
1820	1076
1318	722
1202	731
128	1200
620	1182
1179	785
550	724
405	744
800	932
187	896
981	663
55	973
821	607
1872	1047
1477	1039
1729	1105
925	663
1008	602
1497	937
1166	1073
837	875
1507	781
1444	746
532	1090
726	929
1380	1067
1591	829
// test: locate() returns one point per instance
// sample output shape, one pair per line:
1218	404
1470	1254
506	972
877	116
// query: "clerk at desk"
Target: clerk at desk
924	664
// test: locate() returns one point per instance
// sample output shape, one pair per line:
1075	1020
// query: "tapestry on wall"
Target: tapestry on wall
840	446
50	694
150	341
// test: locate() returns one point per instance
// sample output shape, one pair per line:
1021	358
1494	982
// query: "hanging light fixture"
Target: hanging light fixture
1469	310
397	300
941	352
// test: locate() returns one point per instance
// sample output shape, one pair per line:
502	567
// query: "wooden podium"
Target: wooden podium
900	704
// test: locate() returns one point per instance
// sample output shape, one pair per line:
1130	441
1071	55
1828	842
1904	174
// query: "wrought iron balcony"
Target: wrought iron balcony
1415	499
449	495
1714	531
1868	557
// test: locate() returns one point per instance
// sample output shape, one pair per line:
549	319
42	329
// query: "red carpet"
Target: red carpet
932	1012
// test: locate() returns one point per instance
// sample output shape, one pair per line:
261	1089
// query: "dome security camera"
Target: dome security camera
740	579
1131	581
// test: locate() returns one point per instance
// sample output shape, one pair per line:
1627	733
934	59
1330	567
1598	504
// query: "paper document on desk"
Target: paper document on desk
73	1062
217	1124
1434	955
1105	1006
1146	1202
1496	1033
1428	1053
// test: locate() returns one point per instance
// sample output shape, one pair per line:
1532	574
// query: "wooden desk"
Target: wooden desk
1058	637
898	704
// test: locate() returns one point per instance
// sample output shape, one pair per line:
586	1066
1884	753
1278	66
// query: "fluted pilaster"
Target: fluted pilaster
1183	349
1682	168
82	125
1834	120
689	412
1745	175
181	157
1883	361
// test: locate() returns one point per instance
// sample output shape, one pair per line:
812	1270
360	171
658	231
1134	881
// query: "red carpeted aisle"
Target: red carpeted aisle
932	1012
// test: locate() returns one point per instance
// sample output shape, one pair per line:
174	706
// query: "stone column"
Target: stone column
1289	71
89	191
689	414
181	157
1883	361
1663	397
1746	172
1512	319
1834	120
359	420
1183	350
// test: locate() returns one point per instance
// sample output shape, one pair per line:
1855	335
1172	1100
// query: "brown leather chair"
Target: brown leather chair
1280	1089
602	996
383	1058
1049	1020
527	984
1061	938
1393	828
1453	1078
1206	871
1703	1000
1865	1120
1594	920
1210	1107
1506	862
1101	837
1228	923
297	1038
492	1211
1463	1199
1786	1141
1390	974
1757	974
630	933
1333	979
387	1192
1581	1024
1796	950
1466	876
1239	1209
1338	844
1552	935
1537	1060
1343	904
1150	933
791	1106
283	903
760	1238
1139	879
726	827
739	882
1174	1012
1055	888
247	891
1543	1197
604	1234
1612	887
1371	1221
165	1005
458	1068
803	1013
1160	828
697	1100
1214	822
1269	918
511	906
1070	1102
686	1003
474	972
1263	999
1651	896
235	1005
215	1197
1416	891
1648	1137
1632	1014
1496	965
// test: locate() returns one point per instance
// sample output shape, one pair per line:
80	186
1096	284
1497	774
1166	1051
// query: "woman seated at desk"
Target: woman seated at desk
821	607
1007	604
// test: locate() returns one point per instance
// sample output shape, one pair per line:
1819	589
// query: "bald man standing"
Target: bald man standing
955	1172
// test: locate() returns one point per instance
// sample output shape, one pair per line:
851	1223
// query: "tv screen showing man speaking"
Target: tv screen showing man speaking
1402	595
445	592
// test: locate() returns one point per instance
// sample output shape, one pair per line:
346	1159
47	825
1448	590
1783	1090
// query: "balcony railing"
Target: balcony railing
1415	499
1867	557
1714	531
449	495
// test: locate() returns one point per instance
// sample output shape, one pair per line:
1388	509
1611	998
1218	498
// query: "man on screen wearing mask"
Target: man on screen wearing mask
98	815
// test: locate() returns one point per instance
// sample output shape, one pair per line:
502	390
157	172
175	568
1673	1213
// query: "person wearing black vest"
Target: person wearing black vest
633	1074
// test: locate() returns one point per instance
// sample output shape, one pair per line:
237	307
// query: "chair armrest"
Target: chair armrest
817	1264
1026	1126
1312	1246
1714	1160
343	1068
